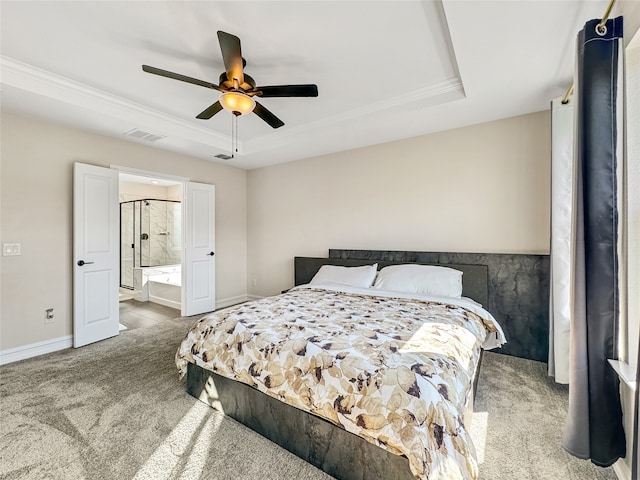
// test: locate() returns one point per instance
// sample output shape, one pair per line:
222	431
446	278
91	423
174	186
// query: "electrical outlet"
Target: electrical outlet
48	315
254	282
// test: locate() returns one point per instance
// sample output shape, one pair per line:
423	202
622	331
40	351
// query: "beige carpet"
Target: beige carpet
117	410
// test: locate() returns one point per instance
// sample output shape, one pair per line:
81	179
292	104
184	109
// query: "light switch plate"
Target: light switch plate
11	249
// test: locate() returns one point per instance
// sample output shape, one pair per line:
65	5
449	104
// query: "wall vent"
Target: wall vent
142	135
224	157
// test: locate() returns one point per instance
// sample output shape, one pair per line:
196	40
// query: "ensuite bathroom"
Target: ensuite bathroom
150	240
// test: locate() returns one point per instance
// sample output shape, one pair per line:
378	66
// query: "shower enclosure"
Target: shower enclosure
150	236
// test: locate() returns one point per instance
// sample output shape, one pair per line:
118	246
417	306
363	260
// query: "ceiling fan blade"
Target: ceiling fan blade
309	90
210	111
182	78
267	116
232	56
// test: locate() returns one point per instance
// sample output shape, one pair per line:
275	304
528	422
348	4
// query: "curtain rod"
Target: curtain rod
601	29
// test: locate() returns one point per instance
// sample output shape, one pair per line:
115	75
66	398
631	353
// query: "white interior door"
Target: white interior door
199	268
95	254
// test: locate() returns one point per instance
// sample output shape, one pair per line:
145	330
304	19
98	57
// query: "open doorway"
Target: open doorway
151	240
97	244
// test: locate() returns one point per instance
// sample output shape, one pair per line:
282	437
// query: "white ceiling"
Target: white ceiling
385	70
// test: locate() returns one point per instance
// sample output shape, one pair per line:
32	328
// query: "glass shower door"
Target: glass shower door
127	242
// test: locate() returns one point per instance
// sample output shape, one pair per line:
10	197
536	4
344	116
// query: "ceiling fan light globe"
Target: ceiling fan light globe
237	103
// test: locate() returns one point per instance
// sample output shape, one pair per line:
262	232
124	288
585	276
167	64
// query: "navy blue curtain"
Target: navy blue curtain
594	428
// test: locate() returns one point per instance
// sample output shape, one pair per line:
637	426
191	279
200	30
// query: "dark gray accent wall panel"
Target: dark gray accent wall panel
518	292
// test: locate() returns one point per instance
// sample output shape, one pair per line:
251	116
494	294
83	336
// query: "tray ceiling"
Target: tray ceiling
384	70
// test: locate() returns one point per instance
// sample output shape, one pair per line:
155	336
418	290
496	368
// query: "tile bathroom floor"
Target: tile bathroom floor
135	314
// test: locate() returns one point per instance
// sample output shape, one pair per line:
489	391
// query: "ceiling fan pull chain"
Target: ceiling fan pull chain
234	135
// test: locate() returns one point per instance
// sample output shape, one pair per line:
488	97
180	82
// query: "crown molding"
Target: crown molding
42	82
427	96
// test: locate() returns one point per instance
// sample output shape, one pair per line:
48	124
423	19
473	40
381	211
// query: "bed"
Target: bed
349	370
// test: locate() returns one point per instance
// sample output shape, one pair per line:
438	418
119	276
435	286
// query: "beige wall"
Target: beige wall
483	188
36	201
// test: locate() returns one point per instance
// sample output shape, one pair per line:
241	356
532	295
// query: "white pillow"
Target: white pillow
352	276
425	279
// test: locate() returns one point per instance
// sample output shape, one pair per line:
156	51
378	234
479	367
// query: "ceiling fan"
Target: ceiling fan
238	88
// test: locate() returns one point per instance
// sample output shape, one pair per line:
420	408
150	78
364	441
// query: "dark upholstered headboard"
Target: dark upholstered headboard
474	277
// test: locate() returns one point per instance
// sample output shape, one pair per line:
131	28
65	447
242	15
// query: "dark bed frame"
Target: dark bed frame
333	450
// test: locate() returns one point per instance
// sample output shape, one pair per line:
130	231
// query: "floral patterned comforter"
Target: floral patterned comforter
395	371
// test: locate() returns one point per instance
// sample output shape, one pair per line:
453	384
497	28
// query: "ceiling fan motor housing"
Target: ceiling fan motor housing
248	84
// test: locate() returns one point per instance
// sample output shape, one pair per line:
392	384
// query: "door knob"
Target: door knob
82	262
211	254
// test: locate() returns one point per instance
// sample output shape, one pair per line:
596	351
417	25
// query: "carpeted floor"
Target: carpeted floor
117	410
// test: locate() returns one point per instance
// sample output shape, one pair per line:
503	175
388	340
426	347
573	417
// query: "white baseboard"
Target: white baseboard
254	297
165	302
622	470
11	355
16	354
227	302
